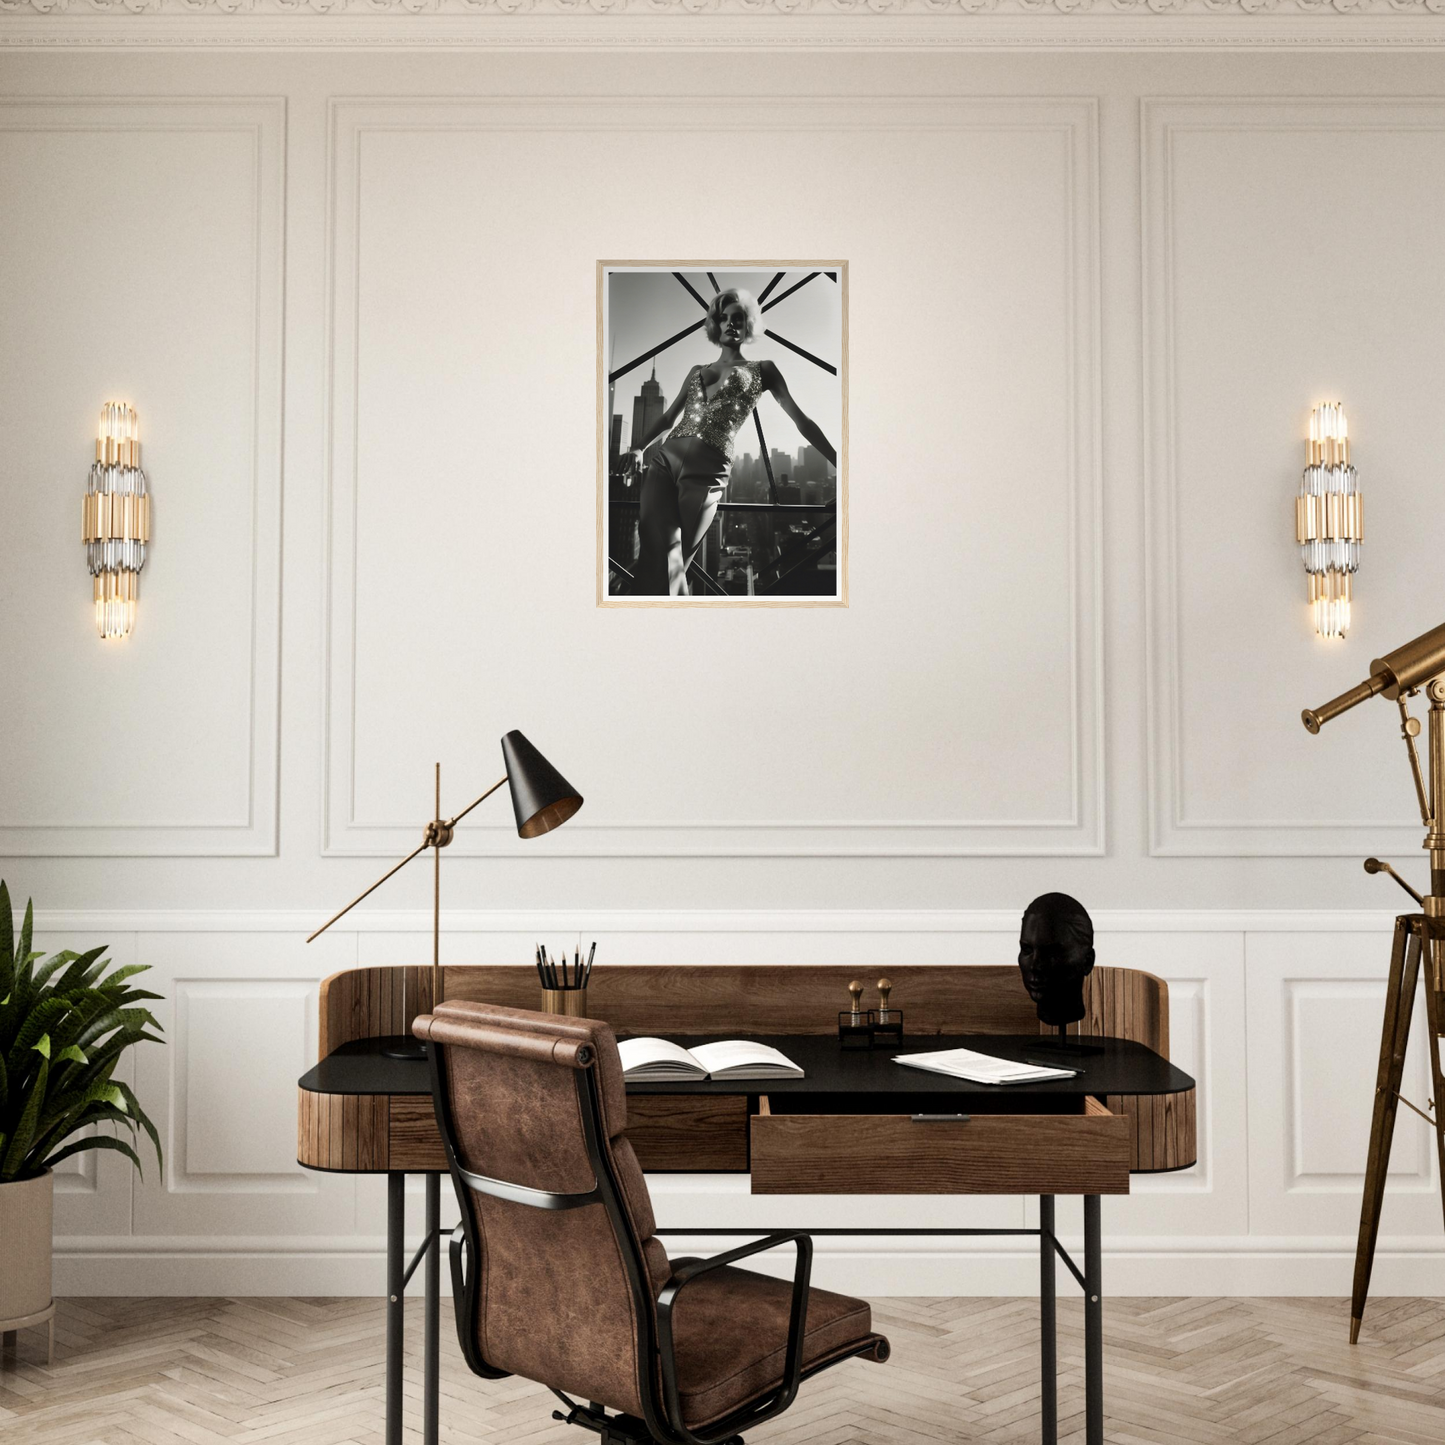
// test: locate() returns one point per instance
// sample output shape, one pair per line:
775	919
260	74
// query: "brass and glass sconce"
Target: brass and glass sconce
116	520
1329	519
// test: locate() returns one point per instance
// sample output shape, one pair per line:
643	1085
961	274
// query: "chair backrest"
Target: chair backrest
532	1108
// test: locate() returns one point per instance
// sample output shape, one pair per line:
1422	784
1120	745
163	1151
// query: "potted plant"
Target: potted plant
64	1025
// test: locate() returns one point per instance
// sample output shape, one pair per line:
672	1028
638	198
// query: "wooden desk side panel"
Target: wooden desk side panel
1162	1129
369	1003
1125	1003
343	1131
1128	1003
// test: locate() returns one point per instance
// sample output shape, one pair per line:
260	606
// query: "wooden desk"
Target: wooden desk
847	1127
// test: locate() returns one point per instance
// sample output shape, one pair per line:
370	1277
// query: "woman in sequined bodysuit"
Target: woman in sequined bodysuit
687	473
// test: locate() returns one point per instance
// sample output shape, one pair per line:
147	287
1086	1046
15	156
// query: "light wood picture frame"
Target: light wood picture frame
768	525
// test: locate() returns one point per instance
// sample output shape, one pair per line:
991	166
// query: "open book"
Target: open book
981	1068
656	1061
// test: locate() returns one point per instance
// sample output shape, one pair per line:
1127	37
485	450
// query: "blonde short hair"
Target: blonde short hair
746	300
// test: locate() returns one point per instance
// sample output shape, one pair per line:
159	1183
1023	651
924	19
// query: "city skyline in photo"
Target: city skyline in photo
647	306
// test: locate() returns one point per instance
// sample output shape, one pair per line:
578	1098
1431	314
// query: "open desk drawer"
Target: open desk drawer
1077	1147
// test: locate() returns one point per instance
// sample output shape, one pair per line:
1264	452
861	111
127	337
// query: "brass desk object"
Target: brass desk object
1398	676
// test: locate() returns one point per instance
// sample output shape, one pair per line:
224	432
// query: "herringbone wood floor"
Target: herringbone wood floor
1206	1371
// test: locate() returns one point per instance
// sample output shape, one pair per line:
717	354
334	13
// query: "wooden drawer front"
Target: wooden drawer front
1083	1153
686	1132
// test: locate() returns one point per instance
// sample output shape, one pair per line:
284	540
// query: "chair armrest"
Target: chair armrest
797	1323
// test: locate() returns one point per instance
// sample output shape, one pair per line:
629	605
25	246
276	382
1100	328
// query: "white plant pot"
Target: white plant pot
26	1214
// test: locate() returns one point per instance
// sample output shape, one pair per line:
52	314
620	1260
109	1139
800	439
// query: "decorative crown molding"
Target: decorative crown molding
700	25
642	8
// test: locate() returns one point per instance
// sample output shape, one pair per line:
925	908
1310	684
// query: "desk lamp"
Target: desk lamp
542	799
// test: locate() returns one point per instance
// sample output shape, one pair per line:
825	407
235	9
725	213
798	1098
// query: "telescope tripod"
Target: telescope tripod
1419	939
1413	942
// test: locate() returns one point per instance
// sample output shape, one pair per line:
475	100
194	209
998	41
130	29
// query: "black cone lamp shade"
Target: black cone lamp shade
542	798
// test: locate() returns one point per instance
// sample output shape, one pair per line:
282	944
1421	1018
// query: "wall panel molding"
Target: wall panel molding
1173	831
1316	1005
117	923
1075	122
226	1139
263	121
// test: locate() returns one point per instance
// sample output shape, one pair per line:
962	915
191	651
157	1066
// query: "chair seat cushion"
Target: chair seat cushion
730	1335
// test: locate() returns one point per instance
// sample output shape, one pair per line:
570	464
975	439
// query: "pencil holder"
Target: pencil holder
569	1001
885	1028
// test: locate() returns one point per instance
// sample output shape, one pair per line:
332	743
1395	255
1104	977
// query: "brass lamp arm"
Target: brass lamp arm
431	840
453	823
420	848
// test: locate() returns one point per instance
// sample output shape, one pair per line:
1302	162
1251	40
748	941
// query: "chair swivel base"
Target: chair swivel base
614	1429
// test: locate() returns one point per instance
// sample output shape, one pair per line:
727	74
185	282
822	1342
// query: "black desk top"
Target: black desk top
1111	1066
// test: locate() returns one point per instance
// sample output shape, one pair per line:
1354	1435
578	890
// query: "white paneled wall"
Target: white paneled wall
1278	1024
408	174
151	244
1229	355
352	297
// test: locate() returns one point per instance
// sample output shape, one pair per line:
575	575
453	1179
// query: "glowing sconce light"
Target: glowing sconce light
1329	519
116	519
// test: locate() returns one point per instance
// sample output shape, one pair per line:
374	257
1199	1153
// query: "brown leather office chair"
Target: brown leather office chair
556	1272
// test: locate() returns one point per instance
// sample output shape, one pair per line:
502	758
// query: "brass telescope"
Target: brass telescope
1418	954
1402	670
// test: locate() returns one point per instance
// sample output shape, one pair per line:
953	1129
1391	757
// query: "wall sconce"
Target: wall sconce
116	519
1329	519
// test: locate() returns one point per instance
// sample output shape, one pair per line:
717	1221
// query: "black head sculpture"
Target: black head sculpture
1056	954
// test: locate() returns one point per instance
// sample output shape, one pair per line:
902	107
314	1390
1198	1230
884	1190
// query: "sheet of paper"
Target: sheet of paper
981	1068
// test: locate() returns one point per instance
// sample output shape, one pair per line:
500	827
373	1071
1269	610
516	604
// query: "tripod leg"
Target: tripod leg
1399	1005
1435	1017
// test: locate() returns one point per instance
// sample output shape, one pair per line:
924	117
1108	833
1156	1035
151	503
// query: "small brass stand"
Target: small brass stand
1419	937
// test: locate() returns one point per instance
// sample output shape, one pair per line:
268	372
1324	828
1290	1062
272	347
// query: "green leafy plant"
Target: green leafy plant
64	1025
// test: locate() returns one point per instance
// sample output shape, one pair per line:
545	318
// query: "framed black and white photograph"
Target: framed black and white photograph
722	421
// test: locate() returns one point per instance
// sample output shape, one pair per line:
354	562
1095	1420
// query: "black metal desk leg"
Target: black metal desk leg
433	1307
1048	1330
1093	1325
395	1300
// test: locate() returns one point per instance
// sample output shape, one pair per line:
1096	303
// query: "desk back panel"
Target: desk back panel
1122	1003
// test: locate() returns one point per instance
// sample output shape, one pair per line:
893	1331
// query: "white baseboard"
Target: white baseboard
1145	1267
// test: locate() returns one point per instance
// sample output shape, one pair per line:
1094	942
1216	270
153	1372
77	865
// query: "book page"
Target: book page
649	1052
740	1053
